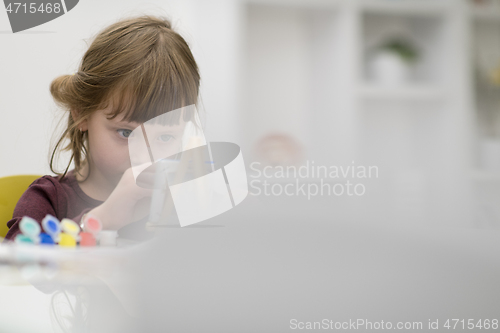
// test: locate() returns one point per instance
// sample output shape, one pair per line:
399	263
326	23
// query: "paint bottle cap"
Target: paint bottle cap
108	237
30	227
66	240
70	227
91	224
51	226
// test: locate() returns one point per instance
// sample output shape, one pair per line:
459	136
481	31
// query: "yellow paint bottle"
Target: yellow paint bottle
66	240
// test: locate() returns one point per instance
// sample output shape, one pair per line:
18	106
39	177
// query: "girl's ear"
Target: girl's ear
83	125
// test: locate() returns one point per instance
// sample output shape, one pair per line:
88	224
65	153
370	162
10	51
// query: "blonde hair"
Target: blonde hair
140	65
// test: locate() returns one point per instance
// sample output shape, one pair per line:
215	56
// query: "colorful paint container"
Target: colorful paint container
87	239
108	237
23	239
66	240
92	224
70	227
30	228
51	226
46	239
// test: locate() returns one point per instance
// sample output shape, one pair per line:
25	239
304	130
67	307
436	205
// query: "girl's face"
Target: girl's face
108	143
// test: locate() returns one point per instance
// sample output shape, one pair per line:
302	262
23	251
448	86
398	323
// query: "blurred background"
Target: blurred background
409	86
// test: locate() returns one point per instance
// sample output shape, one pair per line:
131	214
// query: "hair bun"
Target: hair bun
60	89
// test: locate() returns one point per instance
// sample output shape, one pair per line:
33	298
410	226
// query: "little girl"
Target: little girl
133	71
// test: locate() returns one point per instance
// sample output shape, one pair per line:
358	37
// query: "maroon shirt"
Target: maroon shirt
62	198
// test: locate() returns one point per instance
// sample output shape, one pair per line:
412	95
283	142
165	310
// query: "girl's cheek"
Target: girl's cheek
115	151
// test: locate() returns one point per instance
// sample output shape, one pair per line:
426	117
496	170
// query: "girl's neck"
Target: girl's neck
95	185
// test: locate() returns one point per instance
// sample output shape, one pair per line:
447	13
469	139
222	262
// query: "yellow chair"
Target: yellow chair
11	189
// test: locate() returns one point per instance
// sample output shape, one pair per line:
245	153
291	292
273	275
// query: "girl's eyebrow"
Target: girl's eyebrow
128	123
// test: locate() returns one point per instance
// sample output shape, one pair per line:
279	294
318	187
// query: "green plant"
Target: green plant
401	47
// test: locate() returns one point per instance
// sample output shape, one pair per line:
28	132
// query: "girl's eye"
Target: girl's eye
125	133
165	138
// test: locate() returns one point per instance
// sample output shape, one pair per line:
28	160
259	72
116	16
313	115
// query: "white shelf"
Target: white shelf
406	7
406	92
401	7
318	67
312	4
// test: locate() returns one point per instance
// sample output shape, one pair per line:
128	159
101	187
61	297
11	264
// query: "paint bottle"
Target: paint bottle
87	239
70	227
46	239
67	240
108	237
91	224
52	227
23	239
30	228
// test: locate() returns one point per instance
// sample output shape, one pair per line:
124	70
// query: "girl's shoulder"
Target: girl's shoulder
66	188
56	189
55	181
63	194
